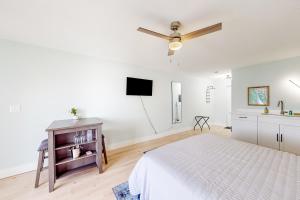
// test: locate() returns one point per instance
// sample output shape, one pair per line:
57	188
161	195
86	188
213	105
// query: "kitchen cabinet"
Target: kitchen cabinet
272	131
244	128
268	133
290	138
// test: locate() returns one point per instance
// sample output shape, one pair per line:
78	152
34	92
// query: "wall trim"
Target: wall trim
147	138
19	169
221	124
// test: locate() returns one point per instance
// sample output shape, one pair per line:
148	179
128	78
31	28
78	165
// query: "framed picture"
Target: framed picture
259	96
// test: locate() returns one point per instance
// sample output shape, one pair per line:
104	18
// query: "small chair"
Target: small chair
43	149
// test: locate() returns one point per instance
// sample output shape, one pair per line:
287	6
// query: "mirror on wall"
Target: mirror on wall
176	102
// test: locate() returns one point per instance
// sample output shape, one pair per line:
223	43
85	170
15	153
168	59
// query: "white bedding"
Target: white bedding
210	167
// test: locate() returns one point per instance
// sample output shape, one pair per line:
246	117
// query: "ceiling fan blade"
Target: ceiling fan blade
153	33
171	52
203	31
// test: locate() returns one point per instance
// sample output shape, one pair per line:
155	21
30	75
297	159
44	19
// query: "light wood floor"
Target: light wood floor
88	184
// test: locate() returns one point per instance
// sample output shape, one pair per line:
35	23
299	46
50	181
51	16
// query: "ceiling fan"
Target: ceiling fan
176	39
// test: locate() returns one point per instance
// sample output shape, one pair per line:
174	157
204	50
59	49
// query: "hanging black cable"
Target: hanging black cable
147	115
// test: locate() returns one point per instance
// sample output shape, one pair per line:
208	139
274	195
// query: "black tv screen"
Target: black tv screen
139	87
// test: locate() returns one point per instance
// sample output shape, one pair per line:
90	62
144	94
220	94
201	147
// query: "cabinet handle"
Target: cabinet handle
280	137
277	137
243	117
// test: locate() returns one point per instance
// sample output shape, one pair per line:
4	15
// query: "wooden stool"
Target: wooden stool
43	149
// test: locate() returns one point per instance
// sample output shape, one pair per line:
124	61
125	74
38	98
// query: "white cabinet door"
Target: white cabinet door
290	139
268	134
244	128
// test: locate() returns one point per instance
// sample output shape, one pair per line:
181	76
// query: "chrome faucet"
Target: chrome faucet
281	104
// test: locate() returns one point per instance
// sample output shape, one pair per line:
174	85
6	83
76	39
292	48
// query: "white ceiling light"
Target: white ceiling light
175	44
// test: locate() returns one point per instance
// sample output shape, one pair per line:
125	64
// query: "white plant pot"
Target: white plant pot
75	153
76	117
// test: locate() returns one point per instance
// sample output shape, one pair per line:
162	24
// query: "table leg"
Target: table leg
205	122
99	149
51	157
201	126
197	123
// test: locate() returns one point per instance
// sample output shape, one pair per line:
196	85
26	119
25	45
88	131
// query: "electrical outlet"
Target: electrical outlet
15	108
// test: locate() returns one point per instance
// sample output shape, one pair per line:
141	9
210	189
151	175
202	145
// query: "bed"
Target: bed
208	167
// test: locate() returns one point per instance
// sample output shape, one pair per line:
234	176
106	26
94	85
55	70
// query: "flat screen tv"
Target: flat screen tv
139	87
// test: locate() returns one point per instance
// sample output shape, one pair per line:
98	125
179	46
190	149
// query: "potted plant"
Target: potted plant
74	113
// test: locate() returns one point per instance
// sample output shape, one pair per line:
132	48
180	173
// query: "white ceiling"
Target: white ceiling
254	31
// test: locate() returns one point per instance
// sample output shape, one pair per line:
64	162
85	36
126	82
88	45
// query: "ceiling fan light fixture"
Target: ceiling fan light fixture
175	44
175	39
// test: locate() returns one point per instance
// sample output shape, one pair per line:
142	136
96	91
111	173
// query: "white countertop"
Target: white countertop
260	112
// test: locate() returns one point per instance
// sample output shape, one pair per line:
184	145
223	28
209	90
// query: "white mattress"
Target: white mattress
212	167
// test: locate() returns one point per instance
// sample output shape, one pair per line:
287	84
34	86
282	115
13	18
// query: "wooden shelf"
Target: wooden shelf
77	170
73	145
70	159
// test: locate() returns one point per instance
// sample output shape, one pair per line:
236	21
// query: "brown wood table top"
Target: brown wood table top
73	123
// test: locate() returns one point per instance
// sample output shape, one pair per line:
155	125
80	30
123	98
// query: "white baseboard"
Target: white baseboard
19	169
146	138
220	124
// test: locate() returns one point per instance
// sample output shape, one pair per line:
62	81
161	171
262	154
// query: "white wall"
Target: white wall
47	83
276	75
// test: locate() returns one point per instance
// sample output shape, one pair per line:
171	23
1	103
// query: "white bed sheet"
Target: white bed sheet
209	167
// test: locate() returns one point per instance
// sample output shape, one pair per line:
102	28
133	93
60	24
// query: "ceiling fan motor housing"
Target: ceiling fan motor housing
175	25
175	35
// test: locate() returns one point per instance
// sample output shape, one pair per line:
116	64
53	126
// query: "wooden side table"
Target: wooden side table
61	138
